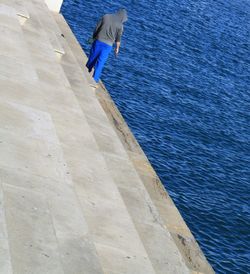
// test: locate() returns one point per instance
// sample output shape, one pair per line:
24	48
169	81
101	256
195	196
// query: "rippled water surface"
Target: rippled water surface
182	83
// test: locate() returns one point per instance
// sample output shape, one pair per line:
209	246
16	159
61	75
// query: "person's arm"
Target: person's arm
97	28
118	41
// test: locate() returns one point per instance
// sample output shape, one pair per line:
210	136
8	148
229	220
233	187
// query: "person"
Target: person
108	31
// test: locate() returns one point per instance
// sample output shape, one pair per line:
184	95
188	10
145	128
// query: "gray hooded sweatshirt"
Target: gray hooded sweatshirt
110	28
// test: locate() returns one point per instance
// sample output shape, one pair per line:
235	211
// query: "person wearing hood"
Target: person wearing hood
107	32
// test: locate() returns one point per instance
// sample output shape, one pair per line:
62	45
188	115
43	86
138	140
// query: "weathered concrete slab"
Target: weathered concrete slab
75	247
27	218
123	173
7	11
20	71
72	128
5	258
48	25
117	261
27	122
7	47
110	226
162	250
20	93
35	156
20	9
54	97
79	255
148	221
43	185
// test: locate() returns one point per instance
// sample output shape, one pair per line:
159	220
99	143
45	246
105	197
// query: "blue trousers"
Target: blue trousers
98	56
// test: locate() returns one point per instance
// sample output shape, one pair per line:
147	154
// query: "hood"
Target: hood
122	15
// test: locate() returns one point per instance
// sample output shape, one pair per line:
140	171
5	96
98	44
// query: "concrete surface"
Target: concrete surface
54	5
77	193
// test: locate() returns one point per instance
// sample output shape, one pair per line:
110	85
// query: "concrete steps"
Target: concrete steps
43	229
13	150
48	25
97	191
72	195
139	205
92	181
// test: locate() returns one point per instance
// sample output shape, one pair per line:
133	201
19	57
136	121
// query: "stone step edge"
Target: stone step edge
54	32
186	243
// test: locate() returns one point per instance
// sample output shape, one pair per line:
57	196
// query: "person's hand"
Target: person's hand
116	51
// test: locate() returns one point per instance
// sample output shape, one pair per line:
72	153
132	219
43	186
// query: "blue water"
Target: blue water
182	83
